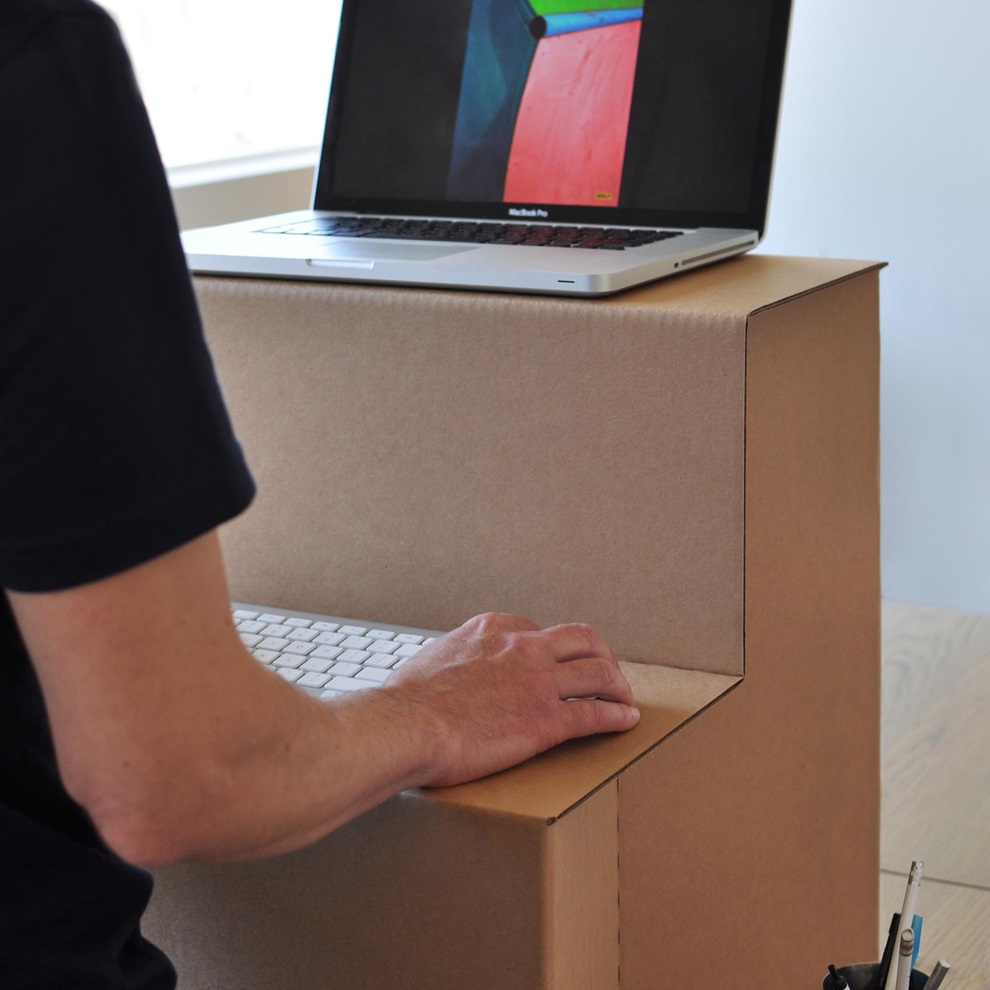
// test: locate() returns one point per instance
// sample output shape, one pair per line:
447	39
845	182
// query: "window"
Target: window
225	80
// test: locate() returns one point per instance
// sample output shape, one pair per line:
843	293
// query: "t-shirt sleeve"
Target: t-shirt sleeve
115	445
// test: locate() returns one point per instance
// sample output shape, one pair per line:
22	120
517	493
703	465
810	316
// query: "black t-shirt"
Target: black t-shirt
114	447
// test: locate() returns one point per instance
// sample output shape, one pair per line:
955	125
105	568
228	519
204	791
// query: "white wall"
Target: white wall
884	154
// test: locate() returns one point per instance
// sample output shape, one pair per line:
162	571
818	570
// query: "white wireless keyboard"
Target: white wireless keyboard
327	655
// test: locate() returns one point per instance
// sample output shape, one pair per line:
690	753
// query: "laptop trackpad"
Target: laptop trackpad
343	252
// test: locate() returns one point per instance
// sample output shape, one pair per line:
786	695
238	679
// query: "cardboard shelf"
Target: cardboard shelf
552	784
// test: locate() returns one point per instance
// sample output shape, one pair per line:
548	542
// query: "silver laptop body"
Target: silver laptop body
574	148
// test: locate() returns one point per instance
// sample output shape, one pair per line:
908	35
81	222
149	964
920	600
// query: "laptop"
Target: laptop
575	147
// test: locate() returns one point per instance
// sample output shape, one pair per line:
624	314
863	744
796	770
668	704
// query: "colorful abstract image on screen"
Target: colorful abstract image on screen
544	104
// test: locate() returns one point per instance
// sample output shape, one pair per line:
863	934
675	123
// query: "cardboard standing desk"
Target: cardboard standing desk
692	468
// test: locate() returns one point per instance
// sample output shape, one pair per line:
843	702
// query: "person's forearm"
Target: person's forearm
274	771
280	769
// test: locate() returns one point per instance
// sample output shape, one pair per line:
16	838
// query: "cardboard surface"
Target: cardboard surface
410	895
741	286
497	437
769	805
423	457
692	468
549	785
583	875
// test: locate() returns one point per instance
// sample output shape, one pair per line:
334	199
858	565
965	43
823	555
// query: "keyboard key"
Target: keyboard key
408	638
408	650
243	613
266	656
317	665
313	680
298	621
383	646
380	661
353	630
343	668
302	635
356	643
299	649
327	652
354	656
277	629
287	660
330	639
248	626
270	617
250	640
381	634
273	643
371	674
326	626
348	684
287	674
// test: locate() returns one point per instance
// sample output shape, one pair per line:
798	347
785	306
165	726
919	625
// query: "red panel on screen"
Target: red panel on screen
570	135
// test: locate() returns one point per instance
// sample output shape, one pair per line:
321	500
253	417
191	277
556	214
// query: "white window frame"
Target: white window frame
237	96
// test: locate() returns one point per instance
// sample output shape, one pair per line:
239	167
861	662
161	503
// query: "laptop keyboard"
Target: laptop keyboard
325	655
481	232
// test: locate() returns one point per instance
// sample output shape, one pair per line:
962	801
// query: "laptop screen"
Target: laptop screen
659	112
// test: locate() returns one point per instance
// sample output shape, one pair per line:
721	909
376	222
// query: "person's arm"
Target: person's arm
182	747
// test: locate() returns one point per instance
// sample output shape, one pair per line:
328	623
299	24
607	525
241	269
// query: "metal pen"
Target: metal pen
938	974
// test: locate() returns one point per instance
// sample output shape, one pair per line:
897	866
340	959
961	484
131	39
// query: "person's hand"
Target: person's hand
501	690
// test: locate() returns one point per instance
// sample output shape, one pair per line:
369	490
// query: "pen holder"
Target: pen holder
860	976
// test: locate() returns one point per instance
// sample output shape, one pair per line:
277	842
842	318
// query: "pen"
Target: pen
916	925
911	893
938	974
883	970
904	960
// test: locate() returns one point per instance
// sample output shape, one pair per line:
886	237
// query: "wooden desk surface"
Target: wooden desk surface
936	781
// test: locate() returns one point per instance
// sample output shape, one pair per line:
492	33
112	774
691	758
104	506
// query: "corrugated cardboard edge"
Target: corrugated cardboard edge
744	286
553	784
